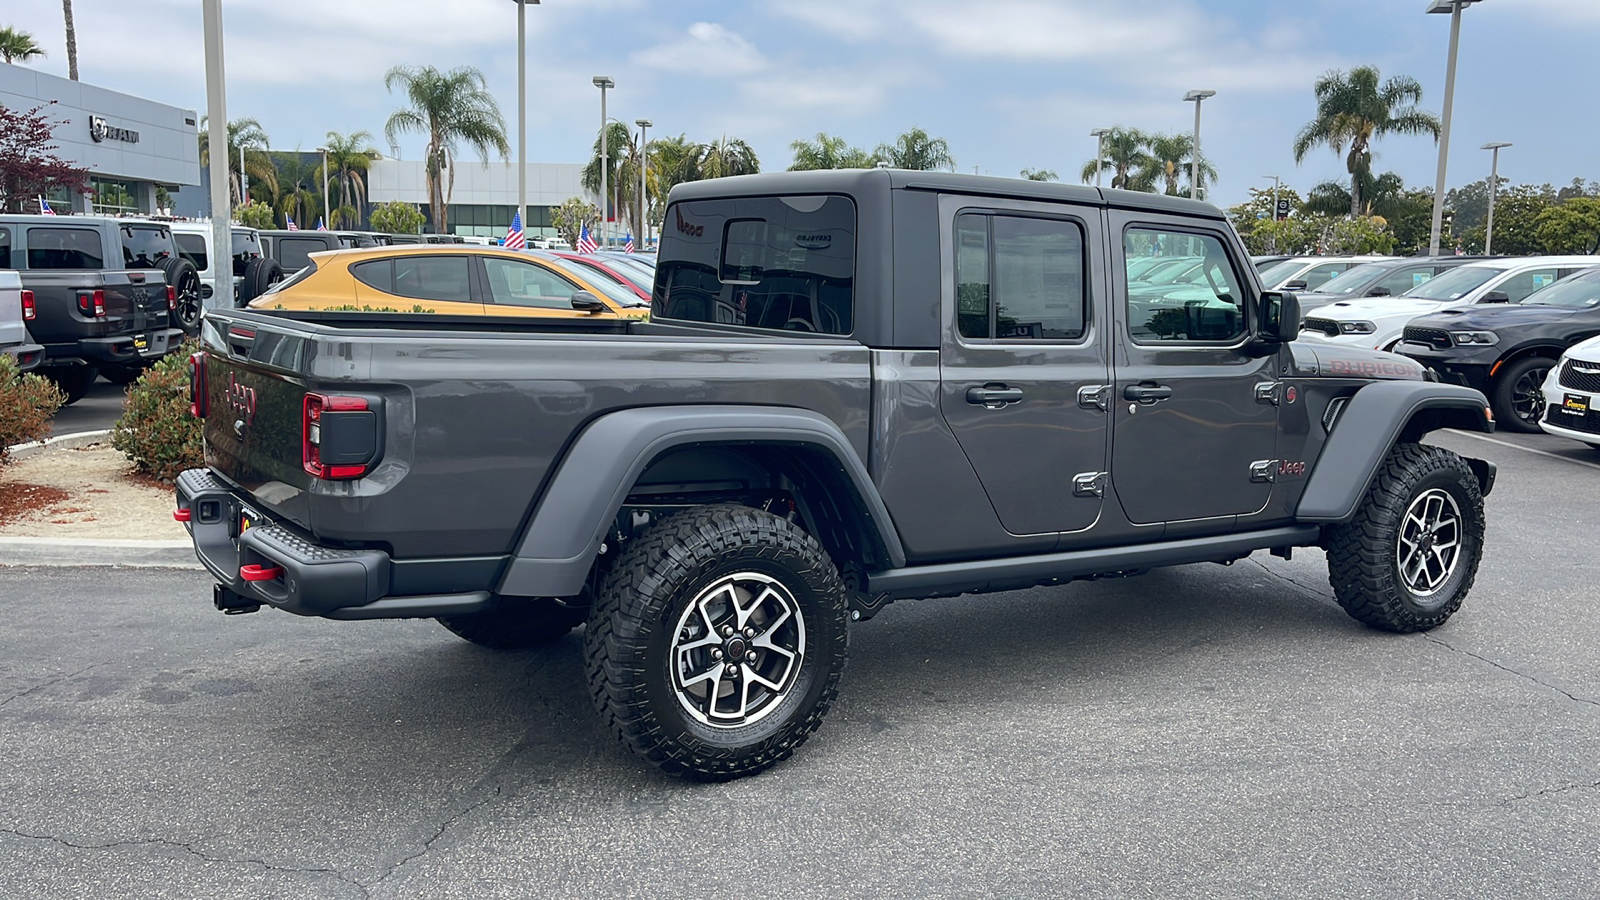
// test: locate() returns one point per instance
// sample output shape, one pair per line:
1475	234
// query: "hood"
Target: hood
1368	307
1488	318
1347	361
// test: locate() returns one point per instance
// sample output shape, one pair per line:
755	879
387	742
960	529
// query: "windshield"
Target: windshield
1578	292
600	281
1454	284
1352	280
1280	273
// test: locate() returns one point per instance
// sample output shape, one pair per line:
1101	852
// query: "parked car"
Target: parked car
623	275
1571	390
253	273
1507	350
426	239
293	249
1310	273
453	281
857	386
1384	278
1379	321
17	309
102	303
1265	261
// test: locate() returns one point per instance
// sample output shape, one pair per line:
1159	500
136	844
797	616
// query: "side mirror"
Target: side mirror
1496	297
583	301
1279	317
1299	284
1379	292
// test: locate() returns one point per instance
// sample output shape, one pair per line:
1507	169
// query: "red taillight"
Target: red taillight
199	396
260	573
182	515
311	434
92	304
172	298
30	309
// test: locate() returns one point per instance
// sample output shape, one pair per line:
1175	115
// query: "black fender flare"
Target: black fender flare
573	514
1376	417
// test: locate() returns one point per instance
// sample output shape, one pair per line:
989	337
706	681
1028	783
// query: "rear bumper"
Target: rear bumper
117	349
308	579
26	356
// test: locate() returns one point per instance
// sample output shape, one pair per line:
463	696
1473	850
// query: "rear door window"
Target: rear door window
1019	278
64	248
193	248
779	263
145	247
433	278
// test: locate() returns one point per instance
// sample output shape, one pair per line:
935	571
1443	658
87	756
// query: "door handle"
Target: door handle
1146	393
993	396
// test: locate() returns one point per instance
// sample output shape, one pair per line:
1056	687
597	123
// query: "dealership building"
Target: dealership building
131	146
484	196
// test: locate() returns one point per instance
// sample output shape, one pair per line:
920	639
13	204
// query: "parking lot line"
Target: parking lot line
1525	449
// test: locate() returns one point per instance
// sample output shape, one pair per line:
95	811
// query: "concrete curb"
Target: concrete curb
60	442
38	551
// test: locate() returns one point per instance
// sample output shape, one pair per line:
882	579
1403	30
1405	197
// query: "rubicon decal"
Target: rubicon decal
1368	368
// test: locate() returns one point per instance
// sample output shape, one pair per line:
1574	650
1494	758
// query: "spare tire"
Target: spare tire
183	276
259	274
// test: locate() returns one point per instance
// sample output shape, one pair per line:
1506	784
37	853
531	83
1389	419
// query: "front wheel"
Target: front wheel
717	643
1408	558
1518	395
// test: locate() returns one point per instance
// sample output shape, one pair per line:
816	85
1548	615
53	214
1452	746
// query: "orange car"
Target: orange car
450	280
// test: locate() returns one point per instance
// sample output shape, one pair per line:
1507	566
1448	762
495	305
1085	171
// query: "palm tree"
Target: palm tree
258	166
1381	196
18	45
349	158
622	173
300	187
1040	175
828	152
1125	158
727	156
72	41
1354	110
1171	156
448	107
916	149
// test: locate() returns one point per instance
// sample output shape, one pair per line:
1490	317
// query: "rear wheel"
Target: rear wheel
1518	396
516	623
74	381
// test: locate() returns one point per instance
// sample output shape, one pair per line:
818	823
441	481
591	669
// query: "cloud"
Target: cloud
707	48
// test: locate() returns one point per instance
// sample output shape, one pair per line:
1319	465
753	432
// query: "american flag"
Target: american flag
586	243
627	245
320	226
290	219
44	208
515	239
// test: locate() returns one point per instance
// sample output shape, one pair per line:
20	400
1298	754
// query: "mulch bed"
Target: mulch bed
17	499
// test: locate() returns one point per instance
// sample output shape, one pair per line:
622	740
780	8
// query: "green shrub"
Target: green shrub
26	404
156	432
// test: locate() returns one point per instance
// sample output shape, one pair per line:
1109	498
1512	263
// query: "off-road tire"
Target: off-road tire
1364	555
1502	397
185	279
516	623
259	274
74	381
633	633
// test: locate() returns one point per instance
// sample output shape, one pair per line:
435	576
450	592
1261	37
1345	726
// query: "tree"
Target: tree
1170	157
1516	215
349	158
622	174
1354	110
1358	234
18	45
72	41
1125	158
916	149
829	152
29	167
1040	175
727	156
448	108
245	134
394	217
570	217
1570	227
299	188
255	214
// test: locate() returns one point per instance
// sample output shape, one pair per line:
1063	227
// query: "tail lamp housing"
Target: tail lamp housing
92	303
172	298
199	395
339	436
30	307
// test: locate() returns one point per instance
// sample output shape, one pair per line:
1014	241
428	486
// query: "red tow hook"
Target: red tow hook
260	573
182	515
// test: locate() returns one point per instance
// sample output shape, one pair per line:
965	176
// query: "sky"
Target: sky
1010	84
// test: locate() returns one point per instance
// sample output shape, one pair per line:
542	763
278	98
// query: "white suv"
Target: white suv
1570	392
1377	322
1310	273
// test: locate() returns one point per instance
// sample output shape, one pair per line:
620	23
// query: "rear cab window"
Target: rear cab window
146	247
775	263
193	248
64	248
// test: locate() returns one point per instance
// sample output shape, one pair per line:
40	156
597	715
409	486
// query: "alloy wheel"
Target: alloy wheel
737	650
1429	546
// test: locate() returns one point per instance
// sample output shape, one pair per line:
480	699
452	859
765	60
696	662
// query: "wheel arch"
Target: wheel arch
1379	416
617	452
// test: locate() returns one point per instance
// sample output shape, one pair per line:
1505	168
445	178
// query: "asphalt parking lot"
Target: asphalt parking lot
1205	731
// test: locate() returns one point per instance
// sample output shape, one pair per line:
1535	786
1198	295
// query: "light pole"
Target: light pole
522	111
1099	135
1453	7
217	135
1494	183
644	162
244	180
604	83
325	210
1194	162
1276	182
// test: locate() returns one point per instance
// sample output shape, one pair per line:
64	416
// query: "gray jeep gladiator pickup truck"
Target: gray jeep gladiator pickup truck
856	387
